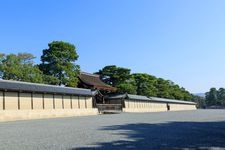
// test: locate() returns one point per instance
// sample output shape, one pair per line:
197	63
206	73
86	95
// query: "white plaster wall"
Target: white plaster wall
75	102
89	102
1	100
58	101
25	101
143	106
12	115
11	100
178	107
67	102
82	102
48	101
37	101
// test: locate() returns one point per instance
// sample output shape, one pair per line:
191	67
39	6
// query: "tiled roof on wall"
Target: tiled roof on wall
145	98
9	85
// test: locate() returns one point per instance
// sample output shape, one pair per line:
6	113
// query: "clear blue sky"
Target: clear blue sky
180	40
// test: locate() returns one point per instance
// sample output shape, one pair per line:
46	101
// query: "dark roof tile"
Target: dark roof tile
10	85
145	98
94	81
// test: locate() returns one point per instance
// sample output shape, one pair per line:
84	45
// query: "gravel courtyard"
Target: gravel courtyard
201	129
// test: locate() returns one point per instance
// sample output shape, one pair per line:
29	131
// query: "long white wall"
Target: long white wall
150	106
143	106
178	107
20	106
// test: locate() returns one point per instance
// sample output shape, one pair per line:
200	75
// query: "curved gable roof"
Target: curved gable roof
94	81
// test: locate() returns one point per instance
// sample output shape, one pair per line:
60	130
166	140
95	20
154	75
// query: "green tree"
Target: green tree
129	86
142	83
20	68
221	96
168	89
176	92
163	88
186	95
212	97
58	61
200	101
118	77
2	57
114	75
145	84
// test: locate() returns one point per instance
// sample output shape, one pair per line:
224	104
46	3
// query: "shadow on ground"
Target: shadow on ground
172	135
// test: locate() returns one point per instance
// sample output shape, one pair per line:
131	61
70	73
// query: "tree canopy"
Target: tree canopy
58	67
142	83
19	67
118	77
58	64
215	97
114	75
145	84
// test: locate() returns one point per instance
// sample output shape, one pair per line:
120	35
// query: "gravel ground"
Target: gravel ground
201	129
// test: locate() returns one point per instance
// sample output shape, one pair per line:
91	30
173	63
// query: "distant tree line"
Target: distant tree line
142	83
215	97
58	67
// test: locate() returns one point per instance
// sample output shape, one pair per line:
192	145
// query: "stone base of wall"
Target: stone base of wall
142	110
13	115
154	110
180	109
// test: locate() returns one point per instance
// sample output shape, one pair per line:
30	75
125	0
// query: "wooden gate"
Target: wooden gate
109	108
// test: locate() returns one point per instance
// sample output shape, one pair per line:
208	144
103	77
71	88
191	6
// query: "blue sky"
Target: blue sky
179	40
